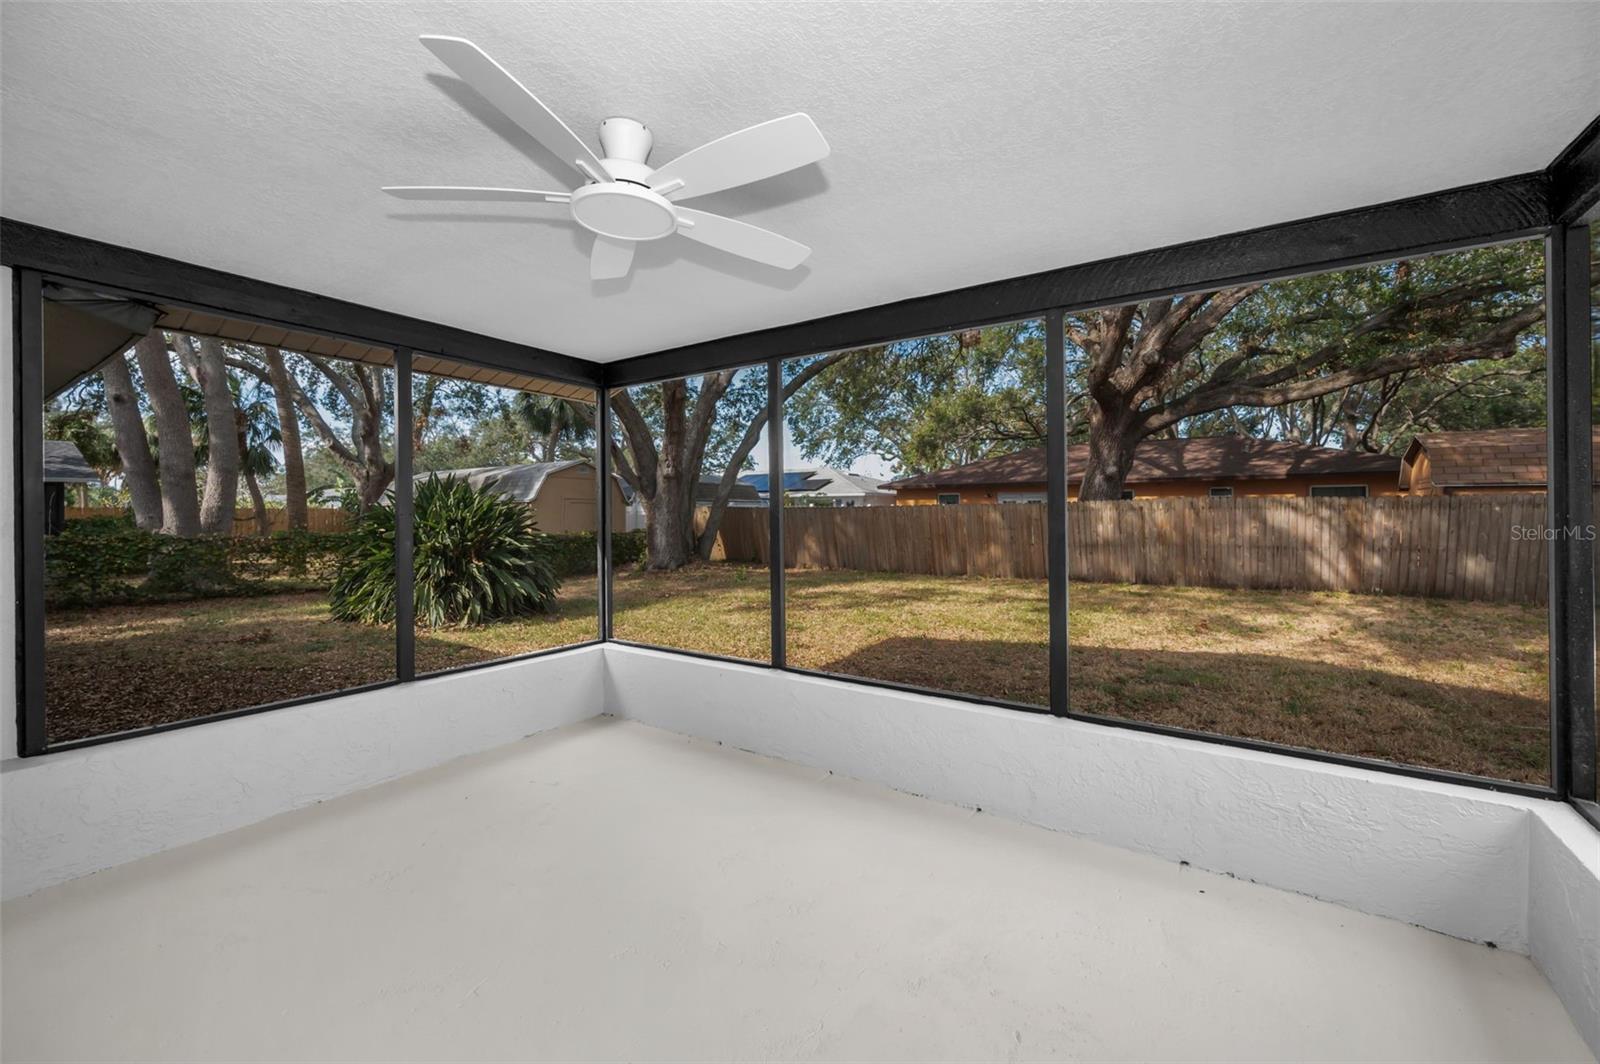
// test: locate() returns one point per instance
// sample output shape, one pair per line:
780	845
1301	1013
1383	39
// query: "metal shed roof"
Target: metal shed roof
520	482
64	464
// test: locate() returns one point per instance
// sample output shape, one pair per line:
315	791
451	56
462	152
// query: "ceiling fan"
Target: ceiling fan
622	200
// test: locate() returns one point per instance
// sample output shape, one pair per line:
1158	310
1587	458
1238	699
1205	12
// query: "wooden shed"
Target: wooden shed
561	494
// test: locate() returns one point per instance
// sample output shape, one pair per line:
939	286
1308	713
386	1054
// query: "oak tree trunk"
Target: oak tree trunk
294	464
203	358
372	471
257	500
180	505
422	412
669	525
133	446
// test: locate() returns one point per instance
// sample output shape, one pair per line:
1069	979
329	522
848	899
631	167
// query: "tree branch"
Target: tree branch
747	443
1499	342
640	446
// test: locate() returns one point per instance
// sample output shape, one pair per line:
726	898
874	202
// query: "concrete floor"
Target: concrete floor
612	891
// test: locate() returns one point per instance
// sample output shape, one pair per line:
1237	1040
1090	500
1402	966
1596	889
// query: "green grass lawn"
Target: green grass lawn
1455	685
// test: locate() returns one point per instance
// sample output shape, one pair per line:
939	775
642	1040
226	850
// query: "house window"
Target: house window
1338	491
1221	493
1127	493
1035	498
949	499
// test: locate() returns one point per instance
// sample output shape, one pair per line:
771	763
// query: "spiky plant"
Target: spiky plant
477	557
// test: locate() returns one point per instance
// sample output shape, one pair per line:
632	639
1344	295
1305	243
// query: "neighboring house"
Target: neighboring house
705	493
1476	462
1216	466
561	494
63	466
825	486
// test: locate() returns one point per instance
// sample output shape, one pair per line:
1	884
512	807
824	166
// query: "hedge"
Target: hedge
102	561
573	553
107	560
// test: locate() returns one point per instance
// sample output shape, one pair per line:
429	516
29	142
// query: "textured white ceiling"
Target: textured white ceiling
970	141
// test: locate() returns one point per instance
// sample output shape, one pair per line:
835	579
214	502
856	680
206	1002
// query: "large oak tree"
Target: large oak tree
1360	358
672	434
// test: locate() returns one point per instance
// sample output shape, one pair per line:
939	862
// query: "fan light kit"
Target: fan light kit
623	201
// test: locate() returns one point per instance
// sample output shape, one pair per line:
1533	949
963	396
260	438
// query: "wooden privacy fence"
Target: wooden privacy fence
1490	547
318	518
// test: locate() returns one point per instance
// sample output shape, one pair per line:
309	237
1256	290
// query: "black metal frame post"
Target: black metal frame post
1572	592
405	602
1056	552
27	312
775	554
602	539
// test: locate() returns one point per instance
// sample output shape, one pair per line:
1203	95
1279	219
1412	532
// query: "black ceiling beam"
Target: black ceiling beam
169	280
1493	210
1575	176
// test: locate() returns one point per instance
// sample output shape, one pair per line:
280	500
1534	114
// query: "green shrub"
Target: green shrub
570	553
193	568
311	557
627	548
101	561
476	557
573	553
89	562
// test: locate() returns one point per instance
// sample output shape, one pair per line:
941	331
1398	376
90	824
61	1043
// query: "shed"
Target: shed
63	465
561	494
1476	461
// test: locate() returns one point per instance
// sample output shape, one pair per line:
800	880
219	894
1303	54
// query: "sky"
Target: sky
871	465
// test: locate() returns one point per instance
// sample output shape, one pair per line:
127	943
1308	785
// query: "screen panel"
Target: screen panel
915	524
203	480
1313	512
505	513
689	571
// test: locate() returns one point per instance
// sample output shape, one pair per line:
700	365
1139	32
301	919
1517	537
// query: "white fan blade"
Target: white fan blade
741	238
610	259
748	155
467	192
495	84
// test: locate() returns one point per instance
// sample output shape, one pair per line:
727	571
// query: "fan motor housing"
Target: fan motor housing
623	211
626	138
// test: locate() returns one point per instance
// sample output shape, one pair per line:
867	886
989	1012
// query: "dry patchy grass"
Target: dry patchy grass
1454	685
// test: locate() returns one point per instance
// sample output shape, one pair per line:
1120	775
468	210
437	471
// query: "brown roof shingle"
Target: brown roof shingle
1485	457
1204	458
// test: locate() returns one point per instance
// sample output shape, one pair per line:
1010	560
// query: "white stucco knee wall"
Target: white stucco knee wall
1521	873
69	814
1564	911
1450	858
